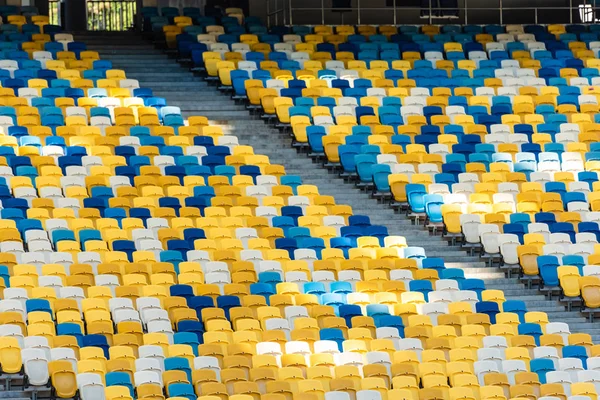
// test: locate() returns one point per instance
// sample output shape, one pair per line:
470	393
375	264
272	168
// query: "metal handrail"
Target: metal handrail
289	9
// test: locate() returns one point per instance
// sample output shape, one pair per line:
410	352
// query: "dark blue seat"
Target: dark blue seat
348	311
185	291
490	308
96	341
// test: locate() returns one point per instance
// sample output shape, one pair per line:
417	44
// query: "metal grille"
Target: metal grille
54	12
110	15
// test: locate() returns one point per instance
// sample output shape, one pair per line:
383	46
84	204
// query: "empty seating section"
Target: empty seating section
145	255
489	134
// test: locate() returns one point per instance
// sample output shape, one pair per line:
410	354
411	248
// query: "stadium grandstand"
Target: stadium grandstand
266	203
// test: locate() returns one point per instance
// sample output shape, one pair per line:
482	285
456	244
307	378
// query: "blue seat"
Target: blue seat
435	263
476	285
450	273
179	364
70	329
316	288
184	390
541	366
376	310
515	306
334	335
531	329
421	286
576	351
187	337
415	194
262	289
341	287
548	269
119	379
391	321
433	207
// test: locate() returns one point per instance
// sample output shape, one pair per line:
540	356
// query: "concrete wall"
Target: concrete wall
406	15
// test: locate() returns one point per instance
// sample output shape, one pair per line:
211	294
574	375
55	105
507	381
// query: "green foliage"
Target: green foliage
103	15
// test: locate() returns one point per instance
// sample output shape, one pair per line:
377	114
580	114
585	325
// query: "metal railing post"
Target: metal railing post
466	12
395	14
570	11
430	13
501	13
268	13
358	6
536	15
291	22
322	12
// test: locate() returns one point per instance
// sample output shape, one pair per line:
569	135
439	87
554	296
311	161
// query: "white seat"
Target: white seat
147	377
412	345
379	357
489	235
446	285
366	395
591	270
208	362
35	364
161	327
589	376
433	310
349	358
495	355
495	342
279	324
561	377
546	352
401	275
470	227
509	243
154	352
39	343
13	331
513	367
126	315
570	365
294	312
149	364
483	368
90	386
272	348
339	396
440	297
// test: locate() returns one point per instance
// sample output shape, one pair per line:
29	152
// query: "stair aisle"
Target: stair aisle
142	61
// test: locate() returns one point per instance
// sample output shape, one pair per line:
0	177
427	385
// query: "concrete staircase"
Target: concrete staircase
142	61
